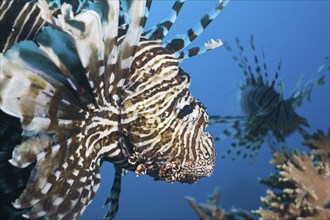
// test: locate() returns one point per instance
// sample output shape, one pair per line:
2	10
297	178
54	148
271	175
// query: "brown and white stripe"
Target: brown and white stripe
93	89
19	20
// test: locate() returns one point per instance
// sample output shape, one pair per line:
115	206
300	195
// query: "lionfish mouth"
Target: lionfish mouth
187	173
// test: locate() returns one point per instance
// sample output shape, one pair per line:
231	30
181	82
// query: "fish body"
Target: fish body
268	110
92	87
267	114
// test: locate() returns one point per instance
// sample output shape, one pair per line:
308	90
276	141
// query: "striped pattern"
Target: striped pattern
267	115
113	199
157	108
94	88
210	45
159	31
23	19
179	42
19	20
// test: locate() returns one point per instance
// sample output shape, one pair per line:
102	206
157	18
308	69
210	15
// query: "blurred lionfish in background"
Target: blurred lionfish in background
91	85
267	114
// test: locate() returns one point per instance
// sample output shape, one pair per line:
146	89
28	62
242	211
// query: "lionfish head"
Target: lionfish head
163	123
192	154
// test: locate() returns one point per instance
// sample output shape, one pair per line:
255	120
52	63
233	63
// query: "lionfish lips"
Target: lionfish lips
187	173
197	170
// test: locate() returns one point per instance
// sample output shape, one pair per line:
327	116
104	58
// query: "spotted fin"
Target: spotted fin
80	51
126	50
210	45
129	18
159	31
179	42
124	20
261	73
243	144
58	87
257	74
57	191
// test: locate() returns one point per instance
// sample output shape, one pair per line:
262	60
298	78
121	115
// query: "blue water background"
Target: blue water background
296	32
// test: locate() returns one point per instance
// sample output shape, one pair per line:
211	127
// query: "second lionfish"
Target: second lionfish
95	86
267	114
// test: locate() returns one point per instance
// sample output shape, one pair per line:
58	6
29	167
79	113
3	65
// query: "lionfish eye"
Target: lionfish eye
187	109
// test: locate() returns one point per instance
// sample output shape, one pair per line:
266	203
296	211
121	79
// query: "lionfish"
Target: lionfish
267	114
91	85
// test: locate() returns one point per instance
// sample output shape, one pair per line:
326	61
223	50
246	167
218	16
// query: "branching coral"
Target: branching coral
301	185
211	211
320	145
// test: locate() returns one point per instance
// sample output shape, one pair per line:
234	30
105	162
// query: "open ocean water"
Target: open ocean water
296	32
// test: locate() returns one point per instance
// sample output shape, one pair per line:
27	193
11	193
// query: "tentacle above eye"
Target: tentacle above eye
159	31
179	42
195	51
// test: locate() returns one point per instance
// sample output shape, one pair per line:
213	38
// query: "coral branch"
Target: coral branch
210	209
301	185
320	145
